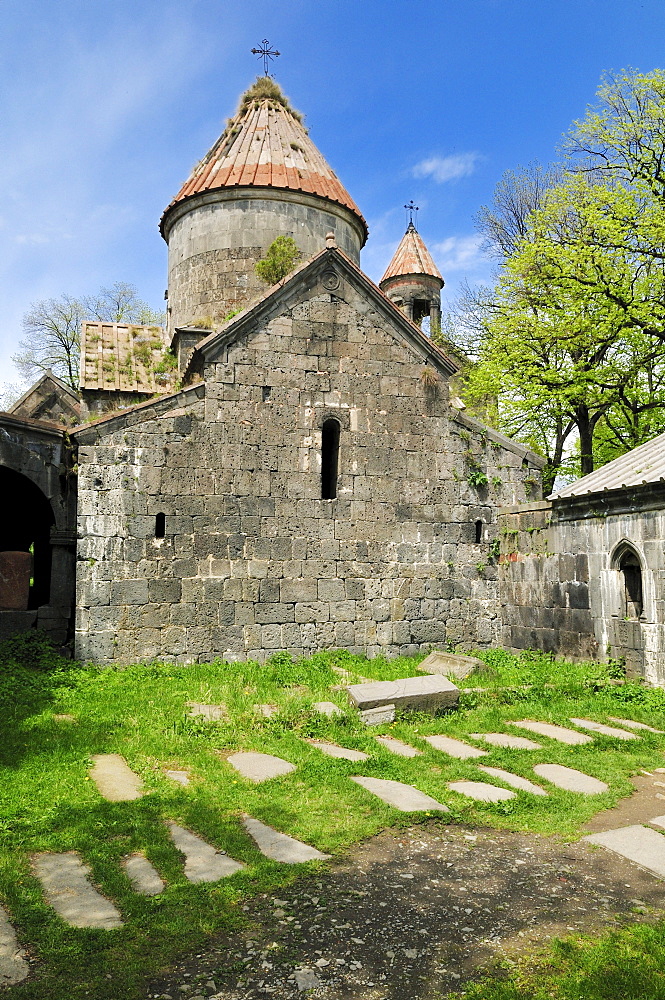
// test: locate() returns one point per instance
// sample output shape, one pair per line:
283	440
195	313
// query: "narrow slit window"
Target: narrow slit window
479	532
633	602
160	525
329	459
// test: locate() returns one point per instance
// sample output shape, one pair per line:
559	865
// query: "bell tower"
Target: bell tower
412	280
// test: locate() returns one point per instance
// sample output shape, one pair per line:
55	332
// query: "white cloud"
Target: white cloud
459	253
447	168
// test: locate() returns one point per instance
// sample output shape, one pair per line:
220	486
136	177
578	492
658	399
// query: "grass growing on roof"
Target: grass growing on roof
49	802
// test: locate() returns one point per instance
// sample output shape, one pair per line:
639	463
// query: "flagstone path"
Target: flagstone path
560	733
145	880
203	863
481	791
64	878
454	748
634	725
214	713
506	740
598	727
637	843
114	779
258	767
515	780
13	966
397	747
332	750
182	777
406	798
570	779
279	846
328	708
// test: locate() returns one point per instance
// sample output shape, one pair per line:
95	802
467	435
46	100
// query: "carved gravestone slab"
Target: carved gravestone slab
427	693
449	664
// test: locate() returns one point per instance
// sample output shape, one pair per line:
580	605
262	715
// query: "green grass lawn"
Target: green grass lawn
48	802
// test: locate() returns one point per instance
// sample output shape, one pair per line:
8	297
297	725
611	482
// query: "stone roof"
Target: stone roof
639	467
49	399
411	257
266	145
125	357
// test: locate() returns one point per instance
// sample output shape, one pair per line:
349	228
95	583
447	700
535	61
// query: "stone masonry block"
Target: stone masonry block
428	693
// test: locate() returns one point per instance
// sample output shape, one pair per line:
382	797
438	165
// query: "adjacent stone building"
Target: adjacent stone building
583	574
310	484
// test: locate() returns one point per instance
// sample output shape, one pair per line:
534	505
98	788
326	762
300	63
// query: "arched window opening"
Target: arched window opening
631	574
329	459
479	532
160	525
26	528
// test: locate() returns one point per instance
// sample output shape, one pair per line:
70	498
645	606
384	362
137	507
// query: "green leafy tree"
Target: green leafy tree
280	259
571	342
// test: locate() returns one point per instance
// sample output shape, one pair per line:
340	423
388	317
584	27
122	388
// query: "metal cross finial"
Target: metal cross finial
411	208
265	53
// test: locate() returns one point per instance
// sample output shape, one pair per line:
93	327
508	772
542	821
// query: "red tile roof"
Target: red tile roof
411	257
265	145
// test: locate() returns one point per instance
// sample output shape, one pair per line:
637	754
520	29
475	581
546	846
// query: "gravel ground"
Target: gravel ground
412	915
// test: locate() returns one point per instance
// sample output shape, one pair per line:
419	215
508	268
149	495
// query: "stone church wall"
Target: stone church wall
561	585
252	559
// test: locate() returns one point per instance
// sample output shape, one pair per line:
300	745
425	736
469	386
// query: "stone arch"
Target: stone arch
26	524
632	581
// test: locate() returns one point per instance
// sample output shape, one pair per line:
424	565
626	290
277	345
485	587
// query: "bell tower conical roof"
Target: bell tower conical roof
265	145
411	257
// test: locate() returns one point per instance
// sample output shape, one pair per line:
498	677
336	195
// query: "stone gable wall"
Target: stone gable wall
253	560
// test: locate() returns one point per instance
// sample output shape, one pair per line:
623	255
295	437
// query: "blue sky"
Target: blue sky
106	105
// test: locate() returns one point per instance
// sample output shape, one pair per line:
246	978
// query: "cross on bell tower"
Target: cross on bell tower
267	54
411	208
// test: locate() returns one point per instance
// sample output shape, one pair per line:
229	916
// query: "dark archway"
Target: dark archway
25	526
629	566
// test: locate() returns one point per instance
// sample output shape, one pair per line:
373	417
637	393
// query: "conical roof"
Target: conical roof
411	257
266	145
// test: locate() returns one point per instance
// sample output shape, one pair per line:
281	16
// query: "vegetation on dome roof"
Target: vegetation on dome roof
264	88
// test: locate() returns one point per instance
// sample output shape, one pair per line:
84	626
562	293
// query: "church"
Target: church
284	468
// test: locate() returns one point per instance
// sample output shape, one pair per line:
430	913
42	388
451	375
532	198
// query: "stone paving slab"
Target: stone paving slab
214	713
182	777
427	693
267	711
637	843
449	664
13	966
144	878
406	798
598	727
506	740
342	752
278	846
516	780
328	708
114	779
64	878
481	791
658	821
454	748
396	746
634	725
203	863
378	716
560	733
569	779
258	767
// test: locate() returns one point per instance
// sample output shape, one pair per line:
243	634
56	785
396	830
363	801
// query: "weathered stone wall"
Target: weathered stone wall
42	457
252	559
544	584
561	586
216	238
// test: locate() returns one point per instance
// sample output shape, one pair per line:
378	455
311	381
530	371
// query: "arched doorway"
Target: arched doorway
25	526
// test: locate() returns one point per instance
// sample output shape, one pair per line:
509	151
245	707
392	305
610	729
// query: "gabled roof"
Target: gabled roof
639	467
125	357
331	257
265	145
48	398
411	257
